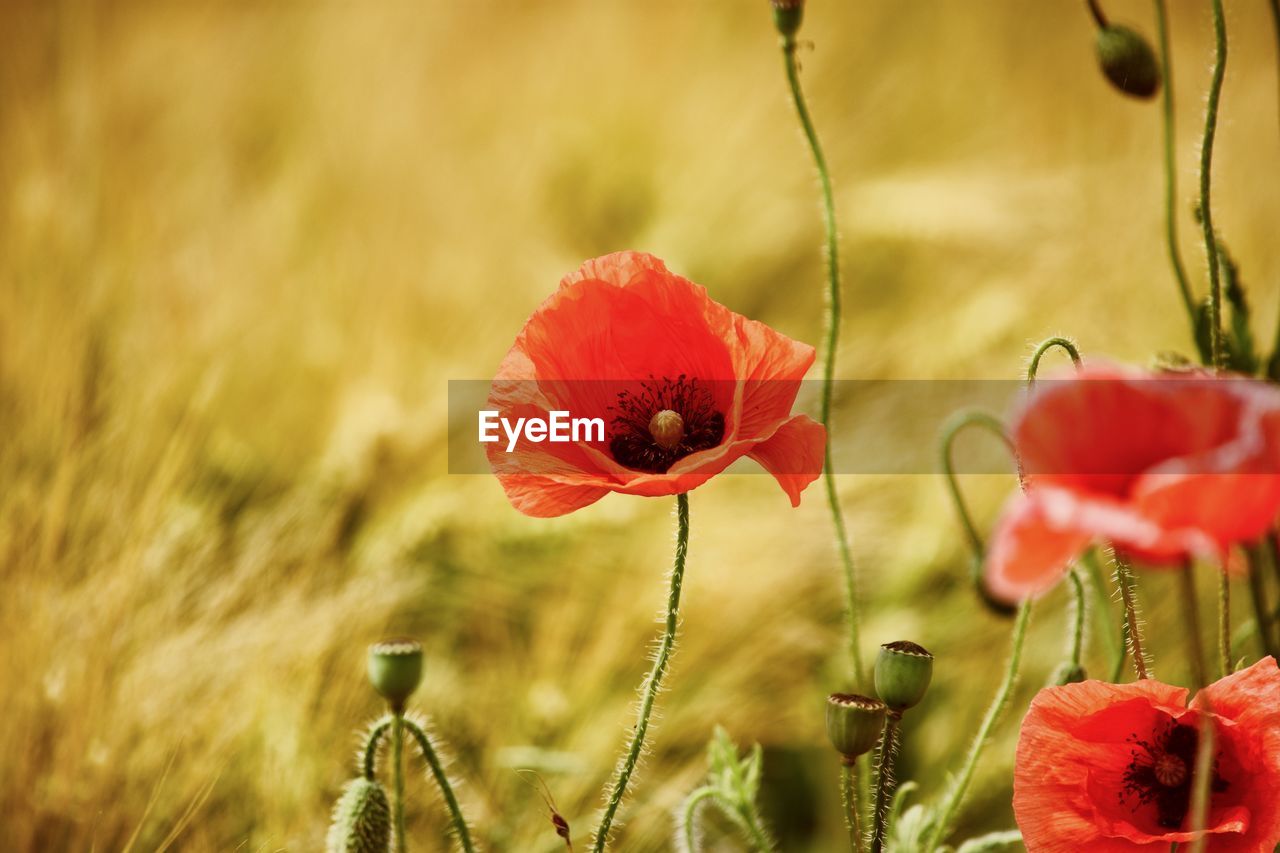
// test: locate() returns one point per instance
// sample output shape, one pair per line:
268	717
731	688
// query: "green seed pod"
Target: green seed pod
1068	673
361	819
854	723
903	671
1128	61
787	15
395	668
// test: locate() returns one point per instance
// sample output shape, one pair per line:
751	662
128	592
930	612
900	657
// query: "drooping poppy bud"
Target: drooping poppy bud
361	819
787	15
1068	673
903	672
1128	61
854	723
395	669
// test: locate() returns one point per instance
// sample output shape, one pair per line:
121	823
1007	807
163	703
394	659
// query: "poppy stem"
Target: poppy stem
1195	653
1096	10
429	755
397	765
1115	644
956	424
1258	592
653	682
1064	343
1129	594
955	796
886	780
1202	779
1216	348
1224	622
1078	618
1171	174
831	320
849	785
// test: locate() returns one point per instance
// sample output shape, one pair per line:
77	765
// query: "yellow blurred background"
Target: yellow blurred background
243	247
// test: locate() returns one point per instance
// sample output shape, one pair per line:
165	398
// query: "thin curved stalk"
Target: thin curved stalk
460	829
653	682
1216	348
831	344
956	794
849	798
1063	343
1133	620
1076	649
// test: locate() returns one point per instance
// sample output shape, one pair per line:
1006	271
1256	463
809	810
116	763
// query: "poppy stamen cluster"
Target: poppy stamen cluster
664	421
1160	773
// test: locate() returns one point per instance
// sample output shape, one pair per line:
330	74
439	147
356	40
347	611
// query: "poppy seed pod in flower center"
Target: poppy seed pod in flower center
903	672
854	723
395	669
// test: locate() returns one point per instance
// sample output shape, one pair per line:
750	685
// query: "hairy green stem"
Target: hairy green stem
849	785
1216	349
1078	617
689	825
397	764
371	746
1170	169
1063	343
830	346
653	682
1191	609
460	829
1224	622
955	796
886	779
1129	595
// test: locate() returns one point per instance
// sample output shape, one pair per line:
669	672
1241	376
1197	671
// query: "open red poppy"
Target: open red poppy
685	386
1161	465
1109	767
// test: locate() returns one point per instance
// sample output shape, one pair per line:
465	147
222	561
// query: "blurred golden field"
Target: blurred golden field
244	246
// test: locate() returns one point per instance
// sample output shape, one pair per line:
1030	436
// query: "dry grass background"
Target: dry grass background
244	245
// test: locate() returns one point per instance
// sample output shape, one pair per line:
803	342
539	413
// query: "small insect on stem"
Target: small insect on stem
557	819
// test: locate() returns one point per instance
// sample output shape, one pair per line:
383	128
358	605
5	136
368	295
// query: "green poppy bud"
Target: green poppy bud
1068	673
854	723
361	819
1128	61
395	668
903	671
787	15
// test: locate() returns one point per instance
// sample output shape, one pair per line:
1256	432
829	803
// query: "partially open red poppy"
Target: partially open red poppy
1161	465
1109	767
684	386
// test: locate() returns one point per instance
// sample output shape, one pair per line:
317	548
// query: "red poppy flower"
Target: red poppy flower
684	385
1108	767
1160	465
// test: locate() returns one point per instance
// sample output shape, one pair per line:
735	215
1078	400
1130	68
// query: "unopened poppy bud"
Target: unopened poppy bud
854	723
395	668
1068	673
787	15
1128	61
361	819
903	672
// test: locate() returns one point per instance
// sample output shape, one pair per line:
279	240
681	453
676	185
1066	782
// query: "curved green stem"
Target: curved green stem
397	765
1133	621
1170	170
886	779
653	682
689	824
746	820
428	751
849	798
956	424
1063	343
371	746
831	344
1216	349
955	796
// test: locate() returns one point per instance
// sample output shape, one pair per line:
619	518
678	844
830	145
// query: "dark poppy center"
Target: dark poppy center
662	422
1160	773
